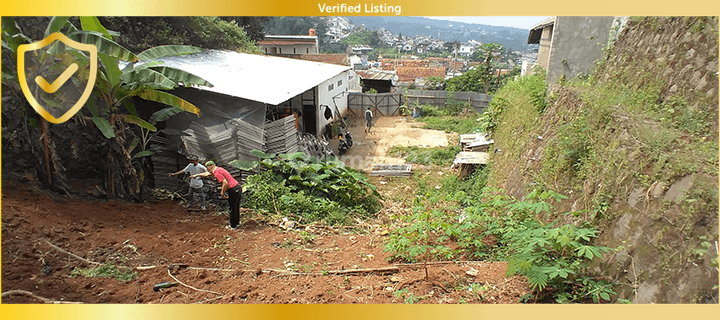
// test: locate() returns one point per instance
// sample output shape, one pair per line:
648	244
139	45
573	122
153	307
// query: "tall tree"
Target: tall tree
139	33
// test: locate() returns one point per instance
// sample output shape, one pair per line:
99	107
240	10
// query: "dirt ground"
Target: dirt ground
385	133
162	241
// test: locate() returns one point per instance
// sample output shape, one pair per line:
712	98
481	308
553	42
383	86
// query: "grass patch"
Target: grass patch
440	156
106	270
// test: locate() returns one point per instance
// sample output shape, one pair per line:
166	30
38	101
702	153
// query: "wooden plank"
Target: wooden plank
472	157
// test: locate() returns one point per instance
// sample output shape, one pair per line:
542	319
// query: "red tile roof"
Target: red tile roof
284	42
410	73
333	58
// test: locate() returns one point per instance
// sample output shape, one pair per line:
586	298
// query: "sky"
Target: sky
517	22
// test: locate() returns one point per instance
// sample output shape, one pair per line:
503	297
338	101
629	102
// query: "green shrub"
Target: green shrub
495	226
452	124
304	187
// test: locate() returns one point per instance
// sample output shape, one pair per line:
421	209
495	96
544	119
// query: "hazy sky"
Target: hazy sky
517	22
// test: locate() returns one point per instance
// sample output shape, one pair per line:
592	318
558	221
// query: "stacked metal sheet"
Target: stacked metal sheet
165	160
281	136
248	138
391	170
224	142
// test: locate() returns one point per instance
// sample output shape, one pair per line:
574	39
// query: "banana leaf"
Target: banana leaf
93	24
147	77
56	24
104	127
137	120
170	100
110	69
12	37
164	114
105	45
168	50
180	76
142	154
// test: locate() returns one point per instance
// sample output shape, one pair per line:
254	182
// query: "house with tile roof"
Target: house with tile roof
290	45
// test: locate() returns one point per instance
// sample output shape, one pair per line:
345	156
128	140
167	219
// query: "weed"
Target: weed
307	237
441	156
461	125
106	271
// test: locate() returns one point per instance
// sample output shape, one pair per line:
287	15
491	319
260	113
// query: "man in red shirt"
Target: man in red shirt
230	189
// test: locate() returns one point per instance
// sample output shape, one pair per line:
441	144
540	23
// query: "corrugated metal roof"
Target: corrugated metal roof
266	79
373	74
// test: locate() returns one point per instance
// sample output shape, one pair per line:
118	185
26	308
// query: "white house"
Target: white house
290	44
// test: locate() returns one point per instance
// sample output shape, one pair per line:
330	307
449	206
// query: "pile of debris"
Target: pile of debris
314	146
474	152
391	170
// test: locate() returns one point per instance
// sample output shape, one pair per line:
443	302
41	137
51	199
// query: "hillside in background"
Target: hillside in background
635	148
509	37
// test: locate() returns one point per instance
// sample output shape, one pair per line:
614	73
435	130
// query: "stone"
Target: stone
689	54
622	227
677	191
658	190
635	197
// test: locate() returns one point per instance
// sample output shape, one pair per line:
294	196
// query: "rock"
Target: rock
472	272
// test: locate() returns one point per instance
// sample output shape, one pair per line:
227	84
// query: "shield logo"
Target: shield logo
62	75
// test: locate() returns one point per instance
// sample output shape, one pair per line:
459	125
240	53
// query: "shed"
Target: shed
250	92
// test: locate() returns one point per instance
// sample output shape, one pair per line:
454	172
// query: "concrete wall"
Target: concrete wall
339	92
576	43
543	57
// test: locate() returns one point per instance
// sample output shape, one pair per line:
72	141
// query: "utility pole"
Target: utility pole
457	47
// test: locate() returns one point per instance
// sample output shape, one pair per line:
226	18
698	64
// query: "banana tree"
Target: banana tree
141	75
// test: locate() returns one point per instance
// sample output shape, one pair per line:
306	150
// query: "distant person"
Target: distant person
230	189
196	184
368	120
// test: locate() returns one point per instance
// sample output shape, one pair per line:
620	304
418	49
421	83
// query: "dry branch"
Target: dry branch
30	294
365	270
191	287
72	254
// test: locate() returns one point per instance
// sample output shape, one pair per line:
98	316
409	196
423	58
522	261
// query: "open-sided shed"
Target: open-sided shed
249	91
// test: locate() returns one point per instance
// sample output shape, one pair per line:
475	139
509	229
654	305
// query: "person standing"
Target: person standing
368	120
196	184
230	189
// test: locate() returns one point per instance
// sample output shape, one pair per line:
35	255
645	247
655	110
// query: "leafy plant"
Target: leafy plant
555	257
110	107
426	235
314	189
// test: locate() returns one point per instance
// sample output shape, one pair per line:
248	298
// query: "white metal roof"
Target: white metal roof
266	79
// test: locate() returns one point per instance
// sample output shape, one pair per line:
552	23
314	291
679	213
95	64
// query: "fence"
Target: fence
388	104
479	101
385	104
